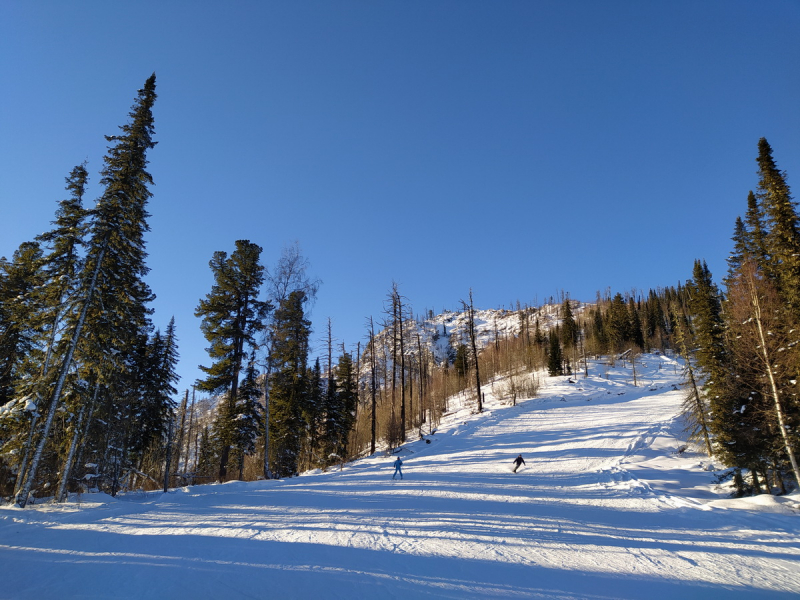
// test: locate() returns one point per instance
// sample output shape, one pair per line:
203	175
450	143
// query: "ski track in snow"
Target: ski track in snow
604	508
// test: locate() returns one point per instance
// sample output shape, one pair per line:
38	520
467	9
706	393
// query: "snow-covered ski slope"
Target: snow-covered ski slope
604	508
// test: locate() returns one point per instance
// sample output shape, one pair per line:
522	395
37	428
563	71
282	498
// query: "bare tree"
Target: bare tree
470	311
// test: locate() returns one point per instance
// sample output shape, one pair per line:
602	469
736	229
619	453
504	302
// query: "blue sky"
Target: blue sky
515	148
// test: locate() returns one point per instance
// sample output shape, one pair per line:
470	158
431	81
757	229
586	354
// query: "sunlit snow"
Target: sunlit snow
608	506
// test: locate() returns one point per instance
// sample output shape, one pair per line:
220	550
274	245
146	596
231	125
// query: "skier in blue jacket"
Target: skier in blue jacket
397	464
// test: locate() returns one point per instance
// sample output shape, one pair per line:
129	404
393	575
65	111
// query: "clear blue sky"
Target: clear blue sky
515	148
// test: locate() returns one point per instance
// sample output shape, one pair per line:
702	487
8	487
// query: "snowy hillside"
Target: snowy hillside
606	507
441	333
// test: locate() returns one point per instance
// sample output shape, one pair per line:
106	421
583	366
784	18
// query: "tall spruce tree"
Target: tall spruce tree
112	294
761	340
64	261
555	361
232	315
705	310
247	419
19	281
782	240
341	415
569	328
618	324
289	388
288	275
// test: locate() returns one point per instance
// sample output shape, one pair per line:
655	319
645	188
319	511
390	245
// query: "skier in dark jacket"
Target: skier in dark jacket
397	464
517	462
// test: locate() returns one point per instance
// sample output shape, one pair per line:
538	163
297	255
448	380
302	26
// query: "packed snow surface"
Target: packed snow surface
605	507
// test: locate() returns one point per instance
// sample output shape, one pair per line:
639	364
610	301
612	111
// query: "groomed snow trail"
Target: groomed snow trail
604	508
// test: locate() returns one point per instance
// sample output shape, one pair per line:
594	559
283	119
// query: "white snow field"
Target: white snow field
604	508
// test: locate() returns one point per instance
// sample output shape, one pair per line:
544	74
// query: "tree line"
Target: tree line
87	380
743	340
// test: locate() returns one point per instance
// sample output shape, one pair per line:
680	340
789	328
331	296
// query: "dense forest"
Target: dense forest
87	396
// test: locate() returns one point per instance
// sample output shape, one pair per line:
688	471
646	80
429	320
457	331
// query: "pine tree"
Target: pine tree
47	305
19	281
694	408
313	415
741	247
289	388
461	362
156	407
555	362
288	275
112	294
636	324
569	328
247	417
345	407
63	264
231	315
705	310
754	306
599	331
618	324
782	240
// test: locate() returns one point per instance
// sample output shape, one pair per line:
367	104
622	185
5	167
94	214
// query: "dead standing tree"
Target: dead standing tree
469	309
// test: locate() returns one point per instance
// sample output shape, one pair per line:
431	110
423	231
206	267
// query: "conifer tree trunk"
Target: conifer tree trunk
267	377
23	466
179	445
168	465
65	473
373	390
189	434
768	361
22	498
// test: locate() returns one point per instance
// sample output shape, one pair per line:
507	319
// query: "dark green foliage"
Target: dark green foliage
112	282
244	421
749	354
461	362
704	306
782	240
618	324
19	281
289	395
156	379
555	363
569	328
636	336
340	415
101	380
232	316
599	334
695	411
313	416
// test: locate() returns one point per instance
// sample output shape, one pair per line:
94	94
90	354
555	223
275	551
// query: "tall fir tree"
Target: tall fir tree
705	310
618	324
569	328
112	294
289	388
232	315
782	240
20	279
555	361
